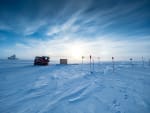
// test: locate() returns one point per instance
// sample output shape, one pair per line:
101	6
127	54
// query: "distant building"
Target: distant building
63	61
13	57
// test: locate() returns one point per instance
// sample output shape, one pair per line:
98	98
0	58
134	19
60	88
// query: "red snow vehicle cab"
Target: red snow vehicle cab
41	60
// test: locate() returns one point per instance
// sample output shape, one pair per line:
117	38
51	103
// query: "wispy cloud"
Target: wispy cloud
103	47
99	28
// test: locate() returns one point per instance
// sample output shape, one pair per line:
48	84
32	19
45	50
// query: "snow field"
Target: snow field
25	88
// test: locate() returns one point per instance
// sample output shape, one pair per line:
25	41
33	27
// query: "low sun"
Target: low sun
76	51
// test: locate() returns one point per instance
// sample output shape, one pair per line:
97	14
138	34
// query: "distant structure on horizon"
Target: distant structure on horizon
13	57
63	61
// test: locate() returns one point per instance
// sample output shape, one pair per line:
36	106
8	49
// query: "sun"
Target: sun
76	51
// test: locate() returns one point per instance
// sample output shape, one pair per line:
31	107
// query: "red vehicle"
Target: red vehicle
41	60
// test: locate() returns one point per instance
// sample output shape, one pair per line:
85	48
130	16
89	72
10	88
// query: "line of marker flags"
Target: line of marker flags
113	63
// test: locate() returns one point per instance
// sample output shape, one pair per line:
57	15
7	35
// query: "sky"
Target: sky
75	28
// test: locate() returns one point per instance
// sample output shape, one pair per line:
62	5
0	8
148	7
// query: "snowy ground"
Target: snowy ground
25	88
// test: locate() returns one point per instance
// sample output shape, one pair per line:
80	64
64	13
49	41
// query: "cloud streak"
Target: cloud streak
101	28
100	47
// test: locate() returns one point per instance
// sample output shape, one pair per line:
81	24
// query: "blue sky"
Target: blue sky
74	28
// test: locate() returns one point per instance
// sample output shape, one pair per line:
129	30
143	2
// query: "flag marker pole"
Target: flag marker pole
90	64
113	64
131	62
